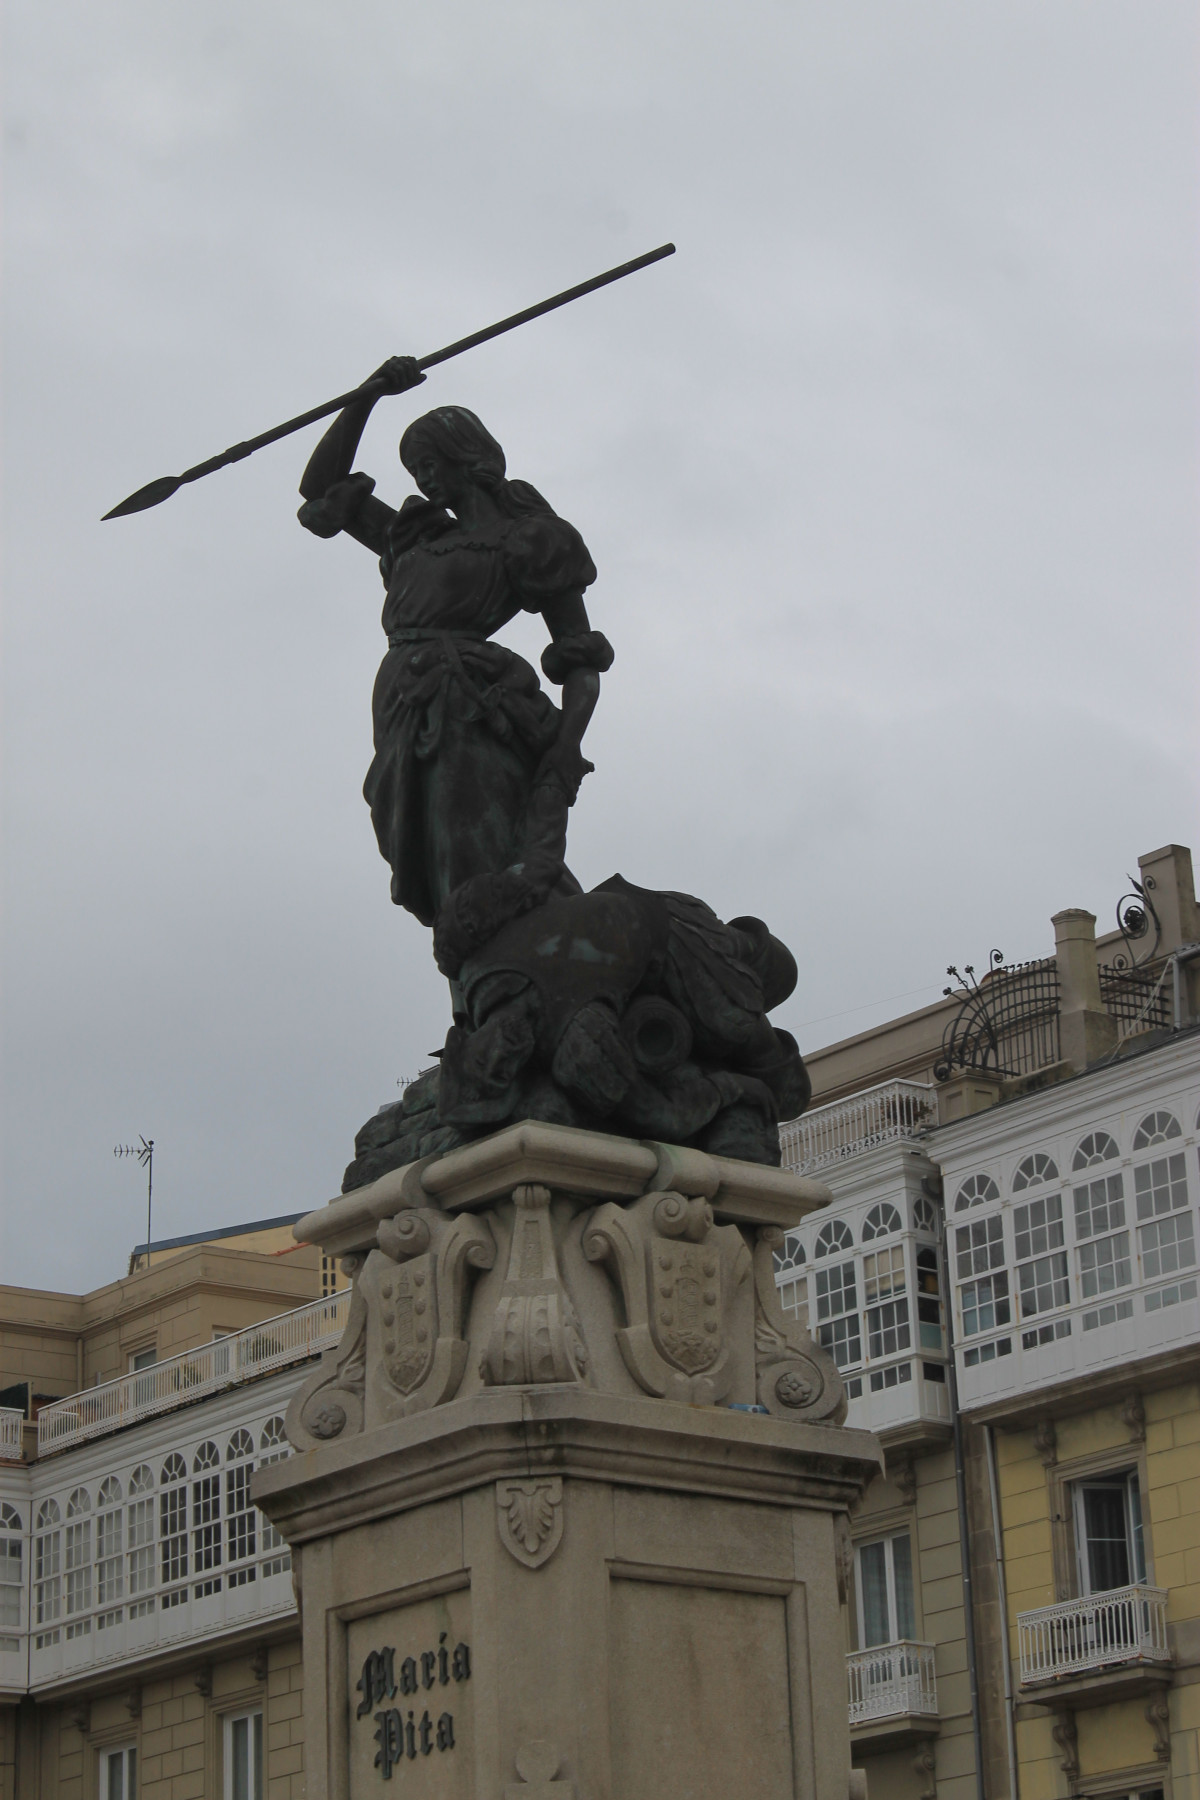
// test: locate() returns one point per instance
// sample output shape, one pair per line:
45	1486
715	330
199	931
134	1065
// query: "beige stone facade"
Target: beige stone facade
177	1726
1056	1199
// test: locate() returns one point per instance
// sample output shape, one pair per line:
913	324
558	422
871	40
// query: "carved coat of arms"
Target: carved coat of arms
408	1317
686	1311
678	1274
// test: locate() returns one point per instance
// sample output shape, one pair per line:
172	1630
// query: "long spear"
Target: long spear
155	492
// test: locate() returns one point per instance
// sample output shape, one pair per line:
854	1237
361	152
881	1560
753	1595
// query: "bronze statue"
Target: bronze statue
621	1009
475	768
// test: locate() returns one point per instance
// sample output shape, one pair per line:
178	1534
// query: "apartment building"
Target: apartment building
1008	1281
149	1640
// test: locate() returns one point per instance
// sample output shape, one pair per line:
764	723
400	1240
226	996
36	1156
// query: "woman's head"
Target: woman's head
450	445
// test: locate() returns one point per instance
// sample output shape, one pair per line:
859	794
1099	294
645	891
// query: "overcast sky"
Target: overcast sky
889	475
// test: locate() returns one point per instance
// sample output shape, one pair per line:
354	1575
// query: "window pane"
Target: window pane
1166	1245
240	1734
1044	1284
1099	1207
1107	1543
1104	1264
835	1291
245	1757
906	1617
842	1340
1161	1186
887	1328
985	1304
872	1567
1137	1535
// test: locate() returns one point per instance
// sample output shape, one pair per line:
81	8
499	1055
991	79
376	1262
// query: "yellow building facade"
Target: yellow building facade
1008	1280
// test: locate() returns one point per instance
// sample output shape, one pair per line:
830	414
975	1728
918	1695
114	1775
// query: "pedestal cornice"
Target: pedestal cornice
542	1431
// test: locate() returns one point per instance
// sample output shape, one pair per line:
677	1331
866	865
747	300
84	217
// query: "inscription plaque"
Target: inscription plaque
410	1701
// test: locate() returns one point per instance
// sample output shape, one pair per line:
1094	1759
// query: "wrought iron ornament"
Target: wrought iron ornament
1007	1024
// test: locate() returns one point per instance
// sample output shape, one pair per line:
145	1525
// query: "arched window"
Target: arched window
172	1528
1156	1128
976	1190
881	1221
833	1236
79	1561
792	1254
139	1541
47	1567
110	1566
1096	1147
12	1552
273	1443
924	1215
240	1512
273	1447
206	1518
1033	1171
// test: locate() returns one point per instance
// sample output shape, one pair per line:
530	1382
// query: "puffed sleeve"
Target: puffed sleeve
545	559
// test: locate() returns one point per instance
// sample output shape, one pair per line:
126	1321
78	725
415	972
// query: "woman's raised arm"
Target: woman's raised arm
333	458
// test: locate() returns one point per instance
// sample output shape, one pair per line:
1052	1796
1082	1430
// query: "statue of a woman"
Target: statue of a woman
475	768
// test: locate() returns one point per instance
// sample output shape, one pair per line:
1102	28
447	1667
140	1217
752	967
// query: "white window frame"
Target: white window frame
128	1755
12	1574
254	1791
1135	1537
889	1564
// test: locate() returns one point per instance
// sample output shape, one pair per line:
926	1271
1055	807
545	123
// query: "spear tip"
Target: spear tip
153	494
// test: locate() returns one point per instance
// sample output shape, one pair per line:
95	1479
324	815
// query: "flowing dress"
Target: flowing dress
460	723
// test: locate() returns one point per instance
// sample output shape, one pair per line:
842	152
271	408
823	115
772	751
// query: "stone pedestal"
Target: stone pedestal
544	1545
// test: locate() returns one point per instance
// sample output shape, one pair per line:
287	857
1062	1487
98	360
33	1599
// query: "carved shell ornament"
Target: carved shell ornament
529	1516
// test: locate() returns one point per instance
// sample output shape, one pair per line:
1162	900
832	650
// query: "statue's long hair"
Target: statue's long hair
457	434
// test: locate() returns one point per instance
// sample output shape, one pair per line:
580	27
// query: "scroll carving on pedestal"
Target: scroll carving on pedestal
330	1403
678	1273
796	1378
535	1333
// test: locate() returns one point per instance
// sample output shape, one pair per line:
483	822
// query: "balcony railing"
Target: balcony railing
243	1356
174	1495
879	1115
890	1681
1128	1625
10	1434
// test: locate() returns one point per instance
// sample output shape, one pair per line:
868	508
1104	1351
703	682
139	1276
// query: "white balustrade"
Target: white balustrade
879	1115
11	1423
243	1356
1078	1636
890	1680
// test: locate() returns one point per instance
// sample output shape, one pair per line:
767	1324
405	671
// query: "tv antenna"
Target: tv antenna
144	1153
